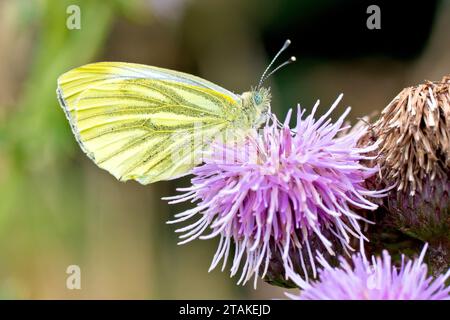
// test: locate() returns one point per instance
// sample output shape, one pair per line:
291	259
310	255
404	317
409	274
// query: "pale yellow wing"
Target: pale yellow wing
143	128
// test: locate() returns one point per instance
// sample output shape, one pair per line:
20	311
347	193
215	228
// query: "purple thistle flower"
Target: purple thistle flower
378	280
277	190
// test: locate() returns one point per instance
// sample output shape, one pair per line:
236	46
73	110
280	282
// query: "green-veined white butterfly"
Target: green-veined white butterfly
130	119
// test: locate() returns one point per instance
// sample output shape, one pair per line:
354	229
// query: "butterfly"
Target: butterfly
146	123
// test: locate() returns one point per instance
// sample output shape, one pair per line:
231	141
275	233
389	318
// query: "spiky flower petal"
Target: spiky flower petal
283	194
376	280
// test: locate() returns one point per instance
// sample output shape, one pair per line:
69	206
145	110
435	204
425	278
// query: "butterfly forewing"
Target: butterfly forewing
141	122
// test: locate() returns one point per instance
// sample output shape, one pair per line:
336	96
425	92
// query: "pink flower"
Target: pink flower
276	191
378	280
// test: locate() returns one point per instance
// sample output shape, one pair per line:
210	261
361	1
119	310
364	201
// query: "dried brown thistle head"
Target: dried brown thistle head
413	154
414	136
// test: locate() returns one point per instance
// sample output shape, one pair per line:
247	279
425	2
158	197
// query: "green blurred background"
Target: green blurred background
57	208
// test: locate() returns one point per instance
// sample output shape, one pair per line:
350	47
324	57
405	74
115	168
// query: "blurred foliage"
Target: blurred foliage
41	195
38	140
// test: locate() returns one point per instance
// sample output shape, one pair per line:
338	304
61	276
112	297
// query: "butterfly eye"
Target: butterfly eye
257	98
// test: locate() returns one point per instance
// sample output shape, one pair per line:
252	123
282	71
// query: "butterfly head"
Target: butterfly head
256	106
261	101
256	103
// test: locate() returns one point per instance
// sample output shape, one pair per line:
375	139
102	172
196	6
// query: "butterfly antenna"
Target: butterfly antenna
263	76
291	59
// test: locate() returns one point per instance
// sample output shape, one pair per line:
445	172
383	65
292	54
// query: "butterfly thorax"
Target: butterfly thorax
255	107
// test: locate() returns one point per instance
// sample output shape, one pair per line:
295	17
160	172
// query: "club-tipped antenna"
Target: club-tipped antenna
289	61
284	47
